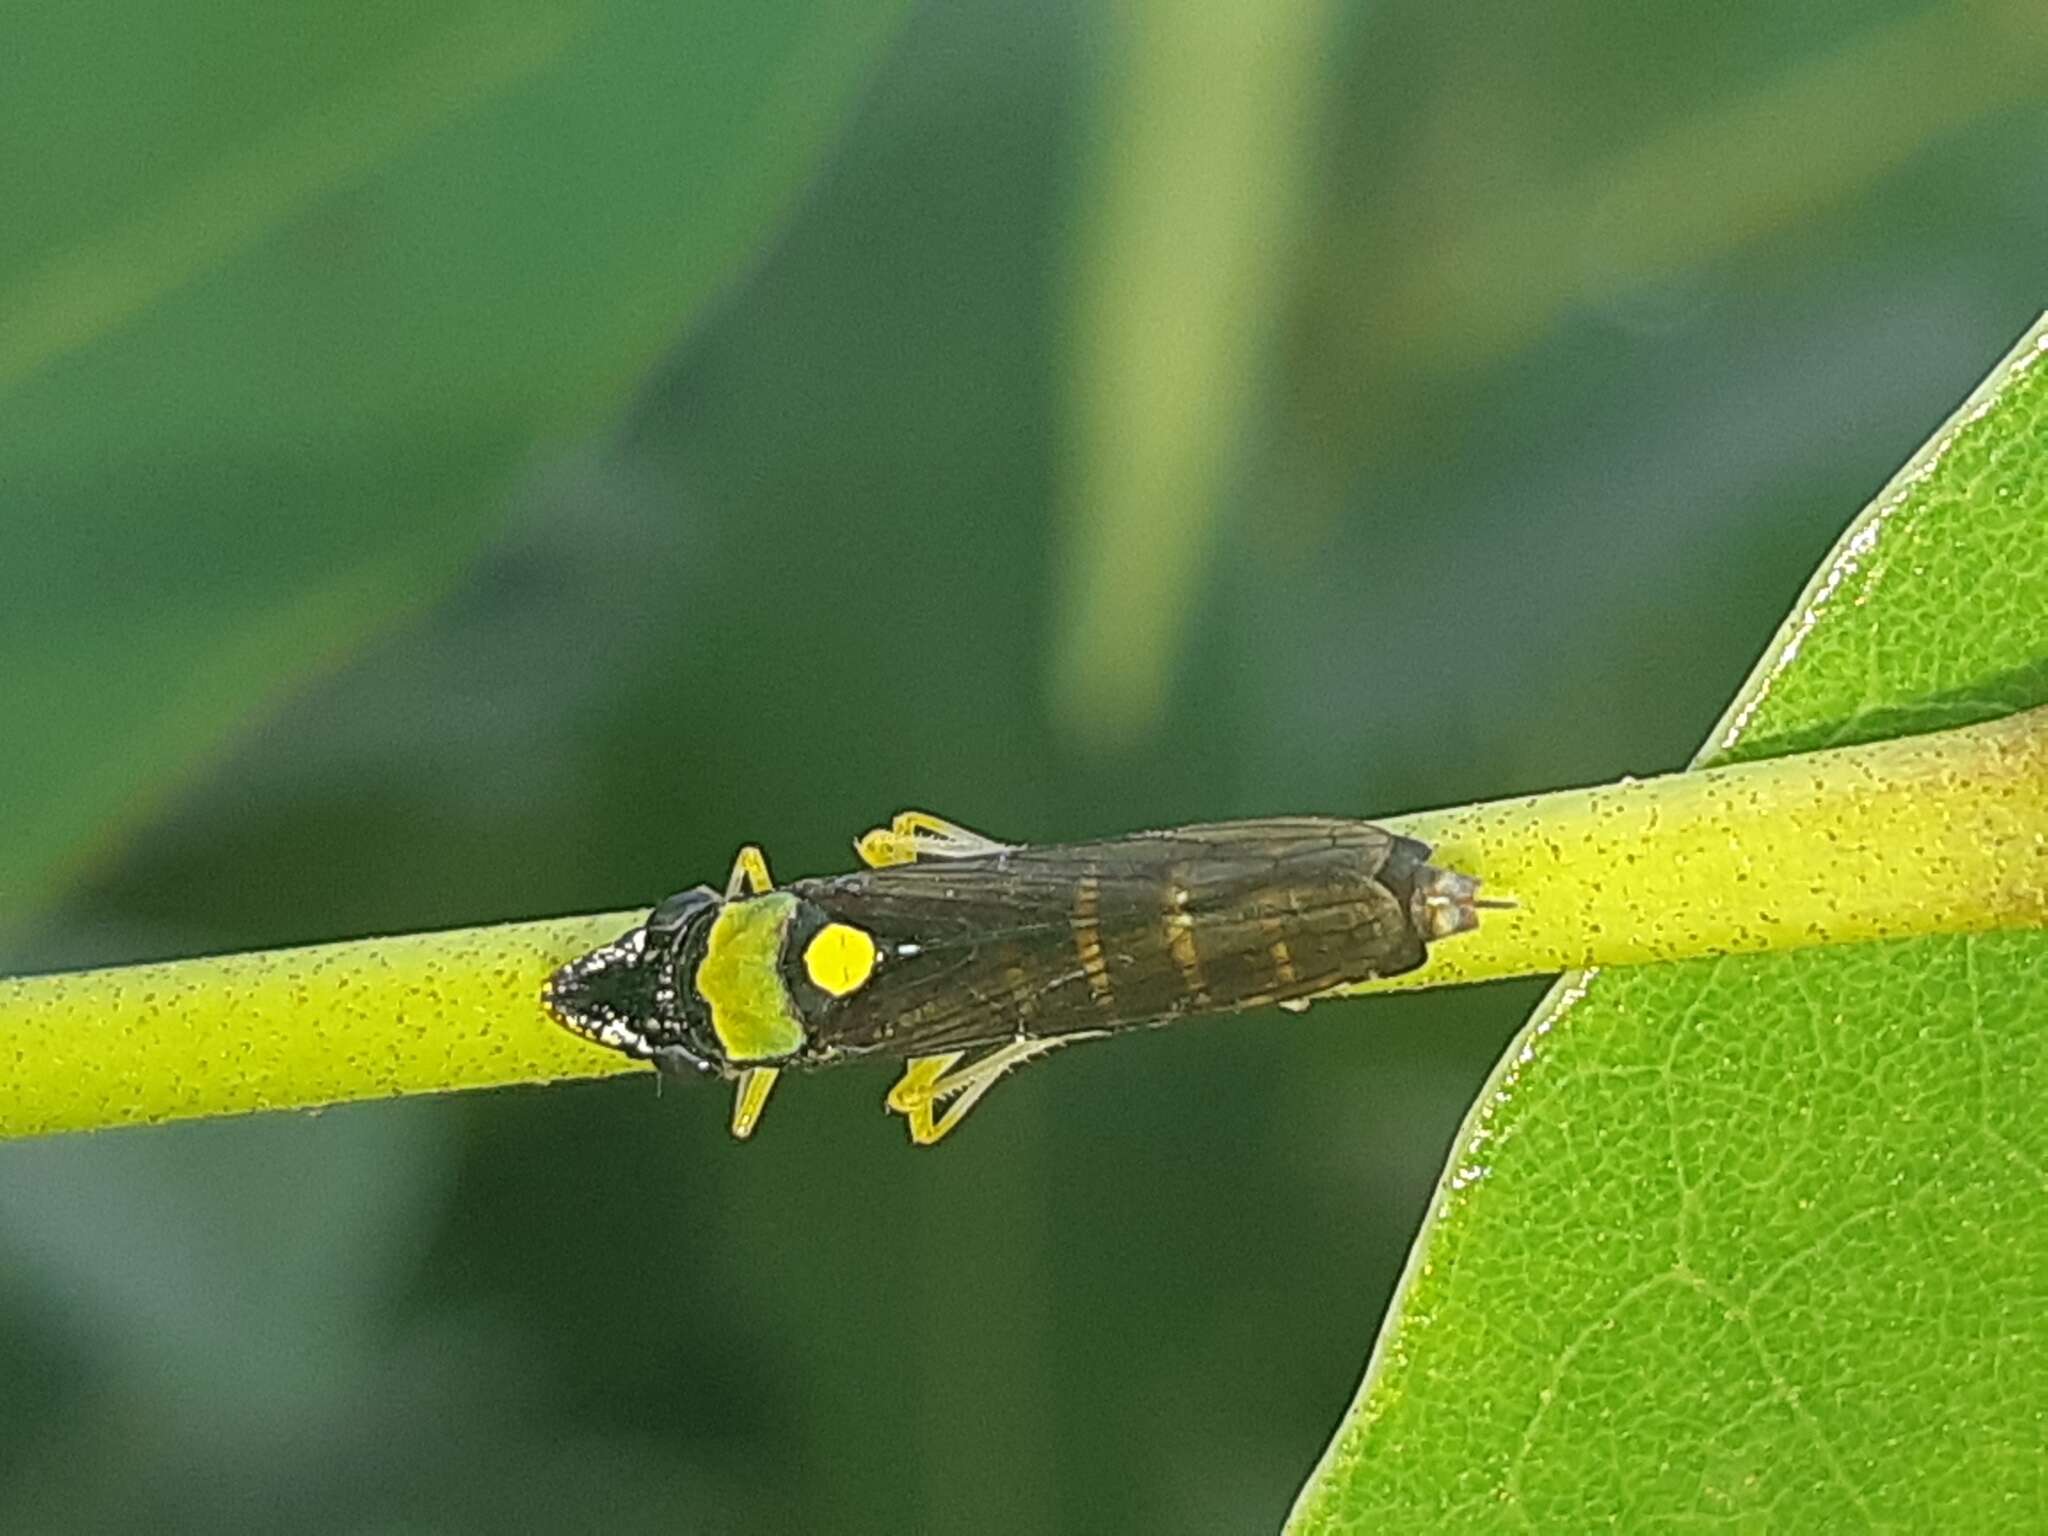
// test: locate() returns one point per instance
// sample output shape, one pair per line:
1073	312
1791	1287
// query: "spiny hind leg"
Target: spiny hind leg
914	835
930	1081
915	1090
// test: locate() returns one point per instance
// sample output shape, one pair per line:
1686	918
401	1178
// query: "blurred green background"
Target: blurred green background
472	463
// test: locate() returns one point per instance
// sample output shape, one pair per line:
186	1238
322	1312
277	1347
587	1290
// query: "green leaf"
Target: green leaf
280	324
1758	1242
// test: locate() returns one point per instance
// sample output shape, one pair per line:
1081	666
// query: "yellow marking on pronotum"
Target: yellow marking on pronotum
741	979
1180	939
840	958
1088	938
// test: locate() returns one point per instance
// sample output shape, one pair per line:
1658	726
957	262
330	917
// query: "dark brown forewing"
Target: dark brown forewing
1113	934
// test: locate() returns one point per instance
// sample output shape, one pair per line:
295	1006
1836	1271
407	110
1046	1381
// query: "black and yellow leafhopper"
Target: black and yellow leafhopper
966	957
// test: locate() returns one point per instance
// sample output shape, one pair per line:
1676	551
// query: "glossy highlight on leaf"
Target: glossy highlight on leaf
1757	1241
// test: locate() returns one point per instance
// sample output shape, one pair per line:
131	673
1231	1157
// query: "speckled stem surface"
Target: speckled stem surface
1944	833
293	1028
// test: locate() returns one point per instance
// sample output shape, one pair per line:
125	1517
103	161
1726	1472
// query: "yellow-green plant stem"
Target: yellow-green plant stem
293	1028
1945	833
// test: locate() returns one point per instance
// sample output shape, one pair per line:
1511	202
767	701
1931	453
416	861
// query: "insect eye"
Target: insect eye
675	912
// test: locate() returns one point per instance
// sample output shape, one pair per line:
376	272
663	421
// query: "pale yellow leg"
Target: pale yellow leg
915	1089
749	869
751	1098
929	1080
914	835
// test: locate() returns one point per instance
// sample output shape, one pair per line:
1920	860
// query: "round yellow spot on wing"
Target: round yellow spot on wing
840	959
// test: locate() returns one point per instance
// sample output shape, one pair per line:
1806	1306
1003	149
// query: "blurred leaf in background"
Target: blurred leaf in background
1760	1237
685	432
289	298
